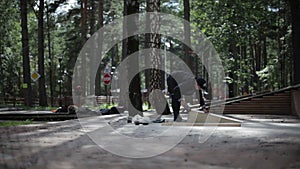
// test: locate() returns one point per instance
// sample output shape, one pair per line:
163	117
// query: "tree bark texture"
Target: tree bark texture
132	46
25	54
99	46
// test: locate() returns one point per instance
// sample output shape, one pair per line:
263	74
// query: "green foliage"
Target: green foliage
107	105
10	77
231	25
10	45
14	123
236	28
39	108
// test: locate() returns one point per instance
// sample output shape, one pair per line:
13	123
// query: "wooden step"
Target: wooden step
262	113
275	98
255	111
261	104
286	93
257	107
271	99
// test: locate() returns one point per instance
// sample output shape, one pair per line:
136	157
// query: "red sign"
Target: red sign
106	78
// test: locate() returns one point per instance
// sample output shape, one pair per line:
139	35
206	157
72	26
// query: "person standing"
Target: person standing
200	85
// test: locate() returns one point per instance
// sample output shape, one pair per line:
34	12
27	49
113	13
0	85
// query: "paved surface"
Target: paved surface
261	142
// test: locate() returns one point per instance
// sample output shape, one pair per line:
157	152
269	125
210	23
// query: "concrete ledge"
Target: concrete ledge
201	117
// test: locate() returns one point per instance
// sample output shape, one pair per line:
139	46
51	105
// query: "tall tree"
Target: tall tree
154	77
41	59
147	43
100	25
92	26
132	45
187	34
123	92
25	54
50	56
295	11
84	29
83	21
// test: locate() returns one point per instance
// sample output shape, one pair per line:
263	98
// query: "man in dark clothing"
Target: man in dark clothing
200	85
183	83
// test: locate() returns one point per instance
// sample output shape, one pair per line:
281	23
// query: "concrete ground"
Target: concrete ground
261	142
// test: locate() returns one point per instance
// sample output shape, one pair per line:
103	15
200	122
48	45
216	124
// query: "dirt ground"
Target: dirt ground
261	142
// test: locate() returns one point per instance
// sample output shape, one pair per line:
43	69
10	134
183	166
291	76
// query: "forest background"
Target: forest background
258	42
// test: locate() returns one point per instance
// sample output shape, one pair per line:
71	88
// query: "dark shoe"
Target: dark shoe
138	123
179	119
159	121
129	120
204	109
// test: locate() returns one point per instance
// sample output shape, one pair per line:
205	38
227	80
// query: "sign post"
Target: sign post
106	80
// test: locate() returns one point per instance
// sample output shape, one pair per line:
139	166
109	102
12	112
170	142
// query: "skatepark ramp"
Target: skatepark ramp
285	101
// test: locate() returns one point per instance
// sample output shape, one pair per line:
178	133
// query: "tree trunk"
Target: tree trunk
231	73
187	35
295	11
100	25
155	78
252	63
123	93
133	46
265	59
246	80
92	18
41	60
148	45
257	64
25	54
153	42
233	49
93	58
264	52
280	62
284	68
50	58
83	23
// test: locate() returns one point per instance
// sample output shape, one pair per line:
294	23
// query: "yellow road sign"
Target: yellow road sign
35	76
